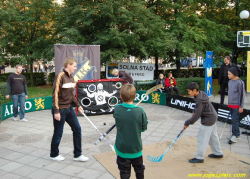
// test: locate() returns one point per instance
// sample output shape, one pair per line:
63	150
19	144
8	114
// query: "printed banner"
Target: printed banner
208	73
138	71
87	56
179	102
153	98
248	71
32	104
224	115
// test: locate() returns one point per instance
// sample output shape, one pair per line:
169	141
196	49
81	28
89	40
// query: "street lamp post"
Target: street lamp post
244	15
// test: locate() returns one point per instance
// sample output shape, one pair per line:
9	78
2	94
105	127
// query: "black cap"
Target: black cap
235	70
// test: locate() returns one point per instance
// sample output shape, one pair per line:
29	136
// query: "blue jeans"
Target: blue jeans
69	116
235	121
19	98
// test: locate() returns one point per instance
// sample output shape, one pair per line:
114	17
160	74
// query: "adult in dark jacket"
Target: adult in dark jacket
123	75
223	77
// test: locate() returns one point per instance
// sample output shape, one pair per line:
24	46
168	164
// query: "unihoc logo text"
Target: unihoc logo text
182	103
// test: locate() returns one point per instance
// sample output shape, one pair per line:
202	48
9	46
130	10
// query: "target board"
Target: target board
99	96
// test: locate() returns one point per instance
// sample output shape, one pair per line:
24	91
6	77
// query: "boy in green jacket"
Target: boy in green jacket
130	120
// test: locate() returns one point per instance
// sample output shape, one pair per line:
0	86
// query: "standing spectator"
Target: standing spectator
62	111
171	85
41	67
35	67
123	75
50	68
2	69
223	77
46	68
17	83
236	98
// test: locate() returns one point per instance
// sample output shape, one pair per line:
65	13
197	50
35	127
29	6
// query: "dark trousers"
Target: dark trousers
223	88
124	166
69	116
172	89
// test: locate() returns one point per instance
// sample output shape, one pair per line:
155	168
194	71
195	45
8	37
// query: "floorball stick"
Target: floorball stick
158	159
112	147
151	90
224	125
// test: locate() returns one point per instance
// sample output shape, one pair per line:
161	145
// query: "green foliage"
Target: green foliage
51	77
181	84
40	78
122	28
3	88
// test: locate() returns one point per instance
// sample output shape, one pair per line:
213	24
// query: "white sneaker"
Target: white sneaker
58	158
23	120
81	158
233	139
14	118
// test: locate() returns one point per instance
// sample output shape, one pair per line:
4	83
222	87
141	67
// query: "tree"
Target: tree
191	31
122	28
28	30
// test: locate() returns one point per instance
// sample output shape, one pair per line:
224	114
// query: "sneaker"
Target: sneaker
14	118
23	120
238	137
195	160
58	158
233	139
215	156
81	158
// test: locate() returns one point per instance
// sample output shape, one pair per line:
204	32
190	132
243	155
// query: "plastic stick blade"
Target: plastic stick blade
154	159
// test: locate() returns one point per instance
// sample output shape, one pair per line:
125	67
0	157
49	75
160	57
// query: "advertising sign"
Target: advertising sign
32	104
208	73
87	56
153	98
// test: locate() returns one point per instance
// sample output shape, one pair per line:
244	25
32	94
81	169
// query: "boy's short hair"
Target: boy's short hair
192	86
169	74
128	92
69	60
161	74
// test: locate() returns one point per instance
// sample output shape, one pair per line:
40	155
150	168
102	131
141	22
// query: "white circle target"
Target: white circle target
92	88
118	85
85	101
111	99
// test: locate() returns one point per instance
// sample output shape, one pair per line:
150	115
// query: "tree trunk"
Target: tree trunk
178	64
31	72
156	67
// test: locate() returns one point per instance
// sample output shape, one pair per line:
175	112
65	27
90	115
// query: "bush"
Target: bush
3	88
181	84
51	77
39	78
197	72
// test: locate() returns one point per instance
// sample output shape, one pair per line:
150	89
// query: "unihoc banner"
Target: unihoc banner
138	71
153	98
208	73
87	56
179	102
32	104
225	116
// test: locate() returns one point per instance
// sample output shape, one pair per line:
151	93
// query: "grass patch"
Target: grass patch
40	91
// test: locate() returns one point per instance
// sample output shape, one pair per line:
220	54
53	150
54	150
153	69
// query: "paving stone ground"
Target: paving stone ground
25	146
